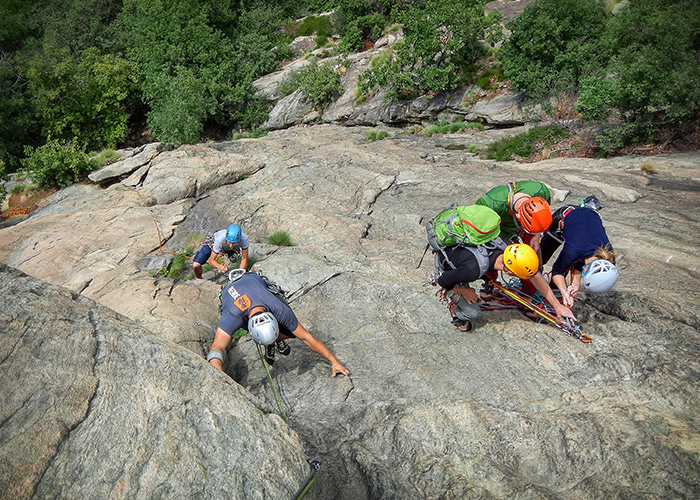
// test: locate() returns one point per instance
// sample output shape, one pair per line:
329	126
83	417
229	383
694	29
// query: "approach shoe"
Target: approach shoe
270	354
283	348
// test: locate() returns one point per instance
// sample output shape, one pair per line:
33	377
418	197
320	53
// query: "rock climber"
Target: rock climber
248	303
516	259
586	250
229	240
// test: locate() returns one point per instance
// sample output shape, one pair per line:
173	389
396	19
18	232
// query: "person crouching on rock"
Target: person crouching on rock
517	260
247	303
586	251
228	240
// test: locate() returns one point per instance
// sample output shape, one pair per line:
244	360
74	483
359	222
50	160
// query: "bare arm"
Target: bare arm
543	287
221	340
244	259
212	262
317	346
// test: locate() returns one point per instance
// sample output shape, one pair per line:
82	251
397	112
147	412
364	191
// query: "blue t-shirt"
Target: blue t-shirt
249	291
583	234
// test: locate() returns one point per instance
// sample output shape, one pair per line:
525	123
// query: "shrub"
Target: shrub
321	25
320	83
523	144
451	128
179	266
56	164
280	238
368	27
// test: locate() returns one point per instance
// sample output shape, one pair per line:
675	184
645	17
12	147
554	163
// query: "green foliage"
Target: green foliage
251	134
83	96
3	176
368	27
485	78
553	43
17	124
280	238
179	266
656	65
441	38
105	157
523	144
376	135
597	97
451	128
320	25
621	135
319	82
56	164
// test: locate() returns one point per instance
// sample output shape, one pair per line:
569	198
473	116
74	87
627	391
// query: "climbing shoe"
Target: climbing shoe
270	354
466	327
283	348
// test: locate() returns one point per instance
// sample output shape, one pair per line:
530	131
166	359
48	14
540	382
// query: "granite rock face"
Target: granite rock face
513	409
95	406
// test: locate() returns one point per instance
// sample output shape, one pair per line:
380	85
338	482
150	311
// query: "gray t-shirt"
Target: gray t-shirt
250	291
219	241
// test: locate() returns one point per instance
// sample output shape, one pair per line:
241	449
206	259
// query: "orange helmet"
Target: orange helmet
521	260
535	216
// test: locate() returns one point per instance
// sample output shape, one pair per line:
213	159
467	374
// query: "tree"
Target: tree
553	44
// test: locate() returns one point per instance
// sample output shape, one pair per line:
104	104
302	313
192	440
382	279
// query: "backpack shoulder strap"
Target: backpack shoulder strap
483	253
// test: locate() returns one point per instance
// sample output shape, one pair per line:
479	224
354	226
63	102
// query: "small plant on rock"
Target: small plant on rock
280	238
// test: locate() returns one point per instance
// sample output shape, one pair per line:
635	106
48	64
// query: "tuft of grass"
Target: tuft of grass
105	157
18	188
280	238
524	144
451	128
178	267
474	149
648	168
321	25
376	135
250	134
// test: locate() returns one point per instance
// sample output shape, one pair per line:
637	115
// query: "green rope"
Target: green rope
274	389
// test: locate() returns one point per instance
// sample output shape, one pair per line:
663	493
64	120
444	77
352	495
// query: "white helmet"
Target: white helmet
263	328
599	276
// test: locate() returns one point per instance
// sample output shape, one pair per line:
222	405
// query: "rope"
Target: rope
274	389
315	464
534	303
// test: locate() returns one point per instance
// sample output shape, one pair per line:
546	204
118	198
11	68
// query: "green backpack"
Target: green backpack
473	227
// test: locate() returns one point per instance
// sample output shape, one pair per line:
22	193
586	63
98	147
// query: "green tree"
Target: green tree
553	43
83	96
656	66
17	124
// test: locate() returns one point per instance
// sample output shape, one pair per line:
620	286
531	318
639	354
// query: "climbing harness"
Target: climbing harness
509	299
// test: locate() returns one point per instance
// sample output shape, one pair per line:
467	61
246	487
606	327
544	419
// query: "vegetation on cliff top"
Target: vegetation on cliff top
110	73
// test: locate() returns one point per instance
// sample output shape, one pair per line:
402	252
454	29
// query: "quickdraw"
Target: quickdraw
568	326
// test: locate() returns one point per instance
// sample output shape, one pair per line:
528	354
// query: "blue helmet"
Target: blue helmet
233	233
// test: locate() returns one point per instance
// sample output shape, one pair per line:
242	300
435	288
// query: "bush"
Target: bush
368	27
321	25
523	144
655	67
320	83
280	238
56	164
441	38
553	43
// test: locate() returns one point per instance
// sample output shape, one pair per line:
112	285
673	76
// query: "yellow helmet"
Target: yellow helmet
521	260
